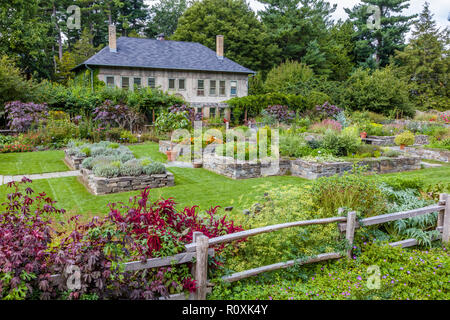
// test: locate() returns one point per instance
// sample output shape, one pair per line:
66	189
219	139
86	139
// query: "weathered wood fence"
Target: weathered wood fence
199	250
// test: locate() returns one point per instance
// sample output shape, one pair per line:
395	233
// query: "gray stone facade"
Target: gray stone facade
430	154
101	185
211	101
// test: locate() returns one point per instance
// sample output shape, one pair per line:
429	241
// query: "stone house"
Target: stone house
202	77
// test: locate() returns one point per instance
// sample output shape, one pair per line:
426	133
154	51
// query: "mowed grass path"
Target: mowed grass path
32	162
53	161
192	186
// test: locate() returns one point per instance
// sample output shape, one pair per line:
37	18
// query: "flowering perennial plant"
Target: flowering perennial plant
22	115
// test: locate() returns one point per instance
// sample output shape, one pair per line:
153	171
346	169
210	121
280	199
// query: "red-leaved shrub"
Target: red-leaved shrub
89	258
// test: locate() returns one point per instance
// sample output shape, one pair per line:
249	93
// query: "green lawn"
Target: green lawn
149	149
32	162
192	186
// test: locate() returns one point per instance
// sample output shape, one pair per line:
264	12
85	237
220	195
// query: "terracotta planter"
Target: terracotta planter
197	165
171	155
363	135
402	147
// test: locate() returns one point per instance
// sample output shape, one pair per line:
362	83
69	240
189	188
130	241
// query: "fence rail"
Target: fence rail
199	249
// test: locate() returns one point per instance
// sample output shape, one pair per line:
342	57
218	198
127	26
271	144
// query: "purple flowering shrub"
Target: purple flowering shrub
110	114
328	110
279	113
120	115
21	115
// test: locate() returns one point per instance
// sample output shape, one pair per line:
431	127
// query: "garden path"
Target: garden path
6	179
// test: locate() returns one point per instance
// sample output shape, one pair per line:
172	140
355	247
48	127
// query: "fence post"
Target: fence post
195	235
350	231
440	219
446	220
201	267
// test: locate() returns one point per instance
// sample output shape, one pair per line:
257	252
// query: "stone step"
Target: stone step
430	165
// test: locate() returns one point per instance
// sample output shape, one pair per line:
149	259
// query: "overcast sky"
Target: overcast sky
440	9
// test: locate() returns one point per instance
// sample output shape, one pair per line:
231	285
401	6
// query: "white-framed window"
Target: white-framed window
212	112
233	88
181	84
151	82
125	83
110	81
212	87
222	88
201	87
137	82
171	84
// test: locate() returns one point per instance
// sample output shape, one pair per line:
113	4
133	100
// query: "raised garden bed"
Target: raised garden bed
314	170
237	169
389	140
101	185
430	153
73	162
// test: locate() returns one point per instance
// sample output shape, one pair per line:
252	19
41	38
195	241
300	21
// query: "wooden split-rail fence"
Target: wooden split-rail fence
200	248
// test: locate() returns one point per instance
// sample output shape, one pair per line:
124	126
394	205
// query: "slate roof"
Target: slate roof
163	54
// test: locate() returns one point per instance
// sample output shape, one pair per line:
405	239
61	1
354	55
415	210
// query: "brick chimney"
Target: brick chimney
112	39
219	47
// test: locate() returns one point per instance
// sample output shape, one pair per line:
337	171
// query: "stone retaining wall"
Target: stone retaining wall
389	140
101	185
73	162
314	170
236	169
430	154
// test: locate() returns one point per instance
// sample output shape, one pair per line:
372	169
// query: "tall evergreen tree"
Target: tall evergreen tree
298	27
163	17
339	50
375	46
246	40
426	62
